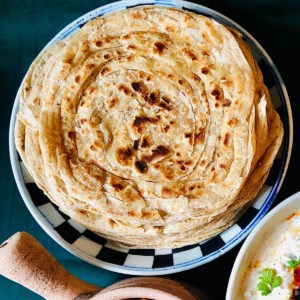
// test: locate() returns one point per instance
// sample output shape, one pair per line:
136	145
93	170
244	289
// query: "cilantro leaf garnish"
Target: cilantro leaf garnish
268	281
294	263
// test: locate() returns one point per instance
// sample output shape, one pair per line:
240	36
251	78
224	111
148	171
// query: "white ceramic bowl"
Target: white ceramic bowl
254	241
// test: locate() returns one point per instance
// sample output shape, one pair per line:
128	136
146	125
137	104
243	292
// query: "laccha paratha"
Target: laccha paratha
150	126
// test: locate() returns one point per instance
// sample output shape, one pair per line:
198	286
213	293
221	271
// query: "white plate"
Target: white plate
102	253
256	239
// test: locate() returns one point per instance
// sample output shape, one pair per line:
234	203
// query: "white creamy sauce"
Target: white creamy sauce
279	246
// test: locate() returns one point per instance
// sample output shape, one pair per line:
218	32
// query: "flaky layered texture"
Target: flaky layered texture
150	126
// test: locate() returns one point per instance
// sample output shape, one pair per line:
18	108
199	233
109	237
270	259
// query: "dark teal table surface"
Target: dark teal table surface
25	28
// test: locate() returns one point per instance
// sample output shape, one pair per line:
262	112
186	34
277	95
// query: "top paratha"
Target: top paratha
151	126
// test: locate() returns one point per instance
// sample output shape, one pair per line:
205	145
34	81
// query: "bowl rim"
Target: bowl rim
44	223
256	234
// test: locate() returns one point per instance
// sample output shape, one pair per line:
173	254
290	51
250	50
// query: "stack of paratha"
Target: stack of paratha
150	126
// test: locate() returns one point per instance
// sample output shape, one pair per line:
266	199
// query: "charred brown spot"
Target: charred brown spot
170	75
171	122
140	120
205	70
217	104
139	87
216	93
82	103
71	134
188	163
93	148
226	102
83	212
166	99
152	98
91	66
106	56
164	106
191	55
166	128
124	155
206	53
180	81
99	43
82	121
108	39
131	47
222	166
168	174
99	134
213	169
159	151
187	135
141	165
226	139
148	78
126	37
146	214
112	222
202	162
214	177
145	143
196	77
27	89
233	121
36	101
92	89
69	61
199	136
178	154
136	145
129	58
227	82
123	88
112	102
77	78
104	71
170	29
166	190
182	168
156	228
131	213
118	186
159	47
191	188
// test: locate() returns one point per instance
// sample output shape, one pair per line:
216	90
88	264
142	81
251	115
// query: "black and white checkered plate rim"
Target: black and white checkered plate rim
104	253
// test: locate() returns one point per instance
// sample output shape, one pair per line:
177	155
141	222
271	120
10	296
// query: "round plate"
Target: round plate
103	253
256	239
